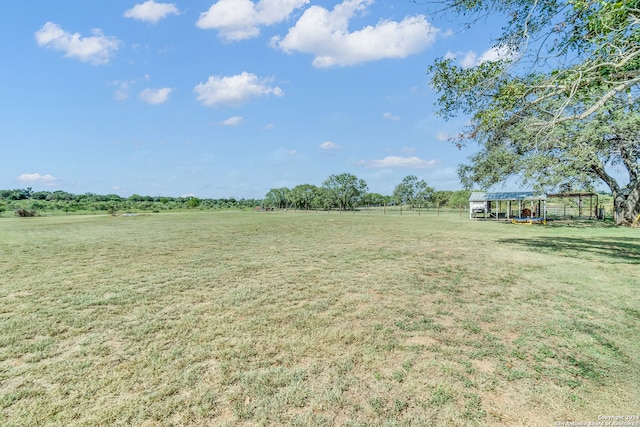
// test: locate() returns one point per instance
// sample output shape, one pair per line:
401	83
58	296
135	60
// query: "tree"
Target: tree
561	105
424	193
139	198
277	198
440	199
193	202
60	195
345	189
323	198
405	191
459	199
112	198
302	196
40	195
20	194
412	191
375	199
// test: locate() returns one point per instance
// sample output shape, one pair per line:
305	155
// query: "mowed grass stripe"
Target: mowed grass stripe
292	318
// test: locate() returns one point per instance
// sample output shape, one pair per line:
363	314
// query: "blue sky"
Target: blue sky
227	98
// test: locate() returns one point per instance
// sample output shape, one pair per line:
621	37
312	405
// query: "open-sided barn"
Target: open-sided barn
507	205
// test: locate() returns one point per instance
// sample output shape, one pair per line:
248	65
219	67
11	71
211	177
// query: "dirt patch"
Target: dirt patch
421	340
19	294
483	366
510	409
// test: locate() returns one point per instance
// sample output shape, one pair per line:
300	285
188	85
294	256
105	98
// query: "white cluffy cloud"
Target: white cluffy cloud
233	121
398	162
234	90
391	117
465	59
329	145
97	49
152	12
471	59
325	34
36	178
156	96
242	19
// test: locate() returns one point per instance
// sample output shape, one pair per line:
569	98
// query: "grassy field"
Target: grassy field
315	319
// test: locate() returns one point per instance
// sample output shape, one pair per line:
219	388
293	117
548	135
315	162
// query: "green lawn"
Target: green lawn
315	319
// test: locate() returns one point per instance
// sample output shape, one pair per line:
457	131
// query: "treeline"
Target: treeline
342	192
25	202
346	192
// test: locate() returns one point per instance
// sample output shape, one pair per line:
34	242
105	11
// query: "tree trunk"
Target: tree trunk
627	205
626	200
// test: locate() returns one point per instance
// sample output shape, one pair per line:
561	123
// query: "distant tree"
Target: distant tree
345	189
323	199
139	198
250	203
424	193
193	202
374	199
404	192
60	195
440	199
40	195
459	199
303	196
277	198
113	198
412	191
19	194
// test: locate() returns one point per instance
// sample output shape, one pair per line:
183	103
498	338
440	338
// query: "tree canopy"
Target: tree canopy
345	189
560	107
413	191
302	196
277	197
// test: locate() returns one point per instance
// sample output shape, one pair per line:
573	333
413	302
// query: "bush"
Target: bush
23	213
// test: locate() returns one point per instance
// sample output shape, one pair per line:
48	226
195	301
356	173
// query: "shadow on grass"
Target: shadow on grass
582	223
614	249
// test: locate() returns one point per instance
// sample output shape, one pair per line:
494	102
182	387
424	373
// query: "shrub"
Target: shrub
23	213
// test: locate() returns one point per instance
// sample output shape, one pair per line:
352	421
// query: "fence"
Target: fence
573	212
